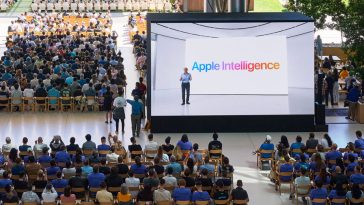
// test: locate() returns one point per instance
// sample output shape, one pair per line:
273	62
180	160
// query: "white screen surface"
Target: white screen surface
246	65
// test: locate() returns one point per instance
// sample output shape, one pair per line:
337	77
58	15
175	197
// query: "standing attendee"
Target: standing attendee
185	79
335	76
136	114
352	98
119	112
108	104
329	86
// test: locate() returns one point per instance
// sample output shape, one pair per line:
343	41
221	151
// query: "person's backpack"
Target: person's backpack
118	113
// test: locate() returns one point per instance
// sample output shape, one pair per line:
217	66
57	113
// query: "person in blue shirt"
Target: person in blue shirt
184	144
199	194
317	164
95	178
103	146
333	154
86	168
53	169
318	193
176	167
62	156
353	97
136	114
286	167
337	193
138	167
357	177
207	165
18	167
181	193
59	182
301	163
351	151
323	177
352	164
296	145
266	146
5	180
44	158
359	142
53	92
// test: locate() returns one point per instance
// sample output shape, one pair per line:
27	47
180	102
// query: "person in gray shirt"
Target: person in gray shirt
89	145
30	196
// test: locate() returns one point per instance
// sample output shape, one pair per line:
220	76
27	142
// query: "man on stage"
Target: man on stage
185	79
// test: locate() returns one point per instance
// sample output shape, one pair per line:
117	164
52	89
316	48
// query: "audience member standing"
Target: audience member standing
119	112
136	114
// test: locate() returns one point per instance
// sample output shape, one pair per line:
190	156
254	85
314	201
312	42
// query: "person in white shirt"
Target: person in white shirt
49	194
34	82
326	141
151	146
38	147
8	146
112	157
119	112
131	181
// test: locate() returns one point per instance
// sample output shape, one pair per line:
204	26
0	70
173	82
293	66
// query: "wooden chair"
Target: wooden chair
76	191
319	201
51	177
69	175
40	102
104	152
280	182
28	101
93	190
338	201
49	203
150	152
17	104
66	102
24	153
169	188
164	202
263	151
201	202
87	152
71	152
145	203
136	153
296	151
240	202
90	102
221	202
311	151
356	201
331	162
302	187
183	202
10	204
87	203
113	190
4	102
139	176
29	203
54	104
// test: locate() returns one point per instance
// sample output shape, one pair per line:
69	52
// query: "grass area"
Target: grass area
267	6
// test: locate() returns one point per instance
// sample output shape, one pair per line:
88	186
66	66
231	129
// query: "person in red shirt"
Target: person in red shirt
142	86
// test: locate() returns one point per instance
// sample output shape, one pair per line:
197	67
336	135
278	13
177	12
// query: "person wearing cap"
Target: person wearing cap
267	145
7	146
118	112
215	145
352	99
49	194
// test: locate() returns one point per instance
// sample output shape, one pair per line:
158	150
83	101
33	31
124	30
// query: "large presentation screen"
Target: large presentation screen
237	68
232	65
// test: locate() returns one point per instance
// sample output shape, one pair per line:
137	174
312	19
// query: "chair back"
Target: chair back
216	151
29	203
136	152
164	202
356	201
296	151
242	202
221	202
201	202
311	151
338	201
113	189
145	202
87	152
49	203
95	189
104	152
265	151
139	176
319	201
304	187
183	202
134	188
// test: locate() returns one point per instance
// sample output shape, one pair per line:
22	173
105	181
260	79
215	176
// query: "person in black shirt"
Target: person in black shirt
205	179
329	89
78	182
146	194
190	182
20	184
114	180
338	177
311	143
72	146
41	92
134	147
168	146
40	183
104	168
239	193
215	145
122	168
10	195
5	94
220	193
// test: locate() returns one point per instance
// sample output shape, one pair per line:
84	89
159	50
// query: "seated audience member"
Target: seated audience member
215	144
25	147
190	164
352	164
62	156
158	168
356	194
357	177
286	167
337	193
226	168
333	154
7	146
284	142
301	181
32	167
351	151
321	151
181	193
207	165
104	196
78	182
239	193
104	168
68	170
161	194
122	168
89	144
103	146
53	169
131	181
67	196
317	164
13	155
318	192
311	143
138	167
95	178
220	193
151	146
267	145
112	157
49	194
168	147
72	146
44	158
195	155
86	168
301	163
29	196
114	180
94	158
10	195
338	177
199	194
162	157
59	183
18	167
323	177
152	179
296	145
134	147
169	178
176	167
145	194
326	141
124	197
184	144
190	181
205	179
38	147
21	183
56	144
41	182
304	152
359	142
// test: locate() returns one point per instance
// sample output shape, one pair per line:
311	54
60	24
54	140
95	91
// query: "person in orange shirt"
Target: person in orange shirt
124	196
344	73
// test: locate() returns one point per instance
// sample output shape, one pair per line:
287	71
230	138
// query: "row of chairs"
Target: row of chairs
49	103
104	6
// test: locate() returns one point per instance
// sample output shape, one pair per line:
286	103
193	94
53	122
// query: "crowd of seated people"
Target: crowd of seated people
317	169
60	65
6	4
139	39
107	173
